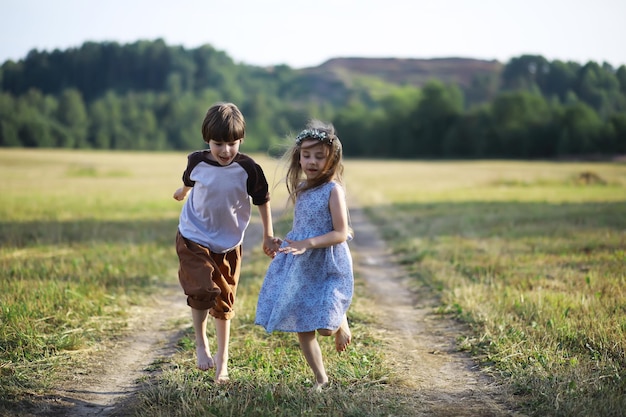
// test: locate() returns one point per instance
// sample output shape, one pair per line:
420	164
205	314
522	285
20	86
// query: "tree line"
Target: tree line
150	96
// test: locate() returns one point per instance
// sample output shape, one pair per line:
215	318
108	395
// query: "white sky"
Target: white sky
307	33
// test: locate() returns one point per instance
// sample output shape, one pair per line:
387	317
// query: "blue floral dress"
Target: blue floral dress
311	291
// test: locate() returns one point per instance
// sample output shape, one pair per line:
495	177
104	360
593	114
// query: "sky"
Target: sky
307	33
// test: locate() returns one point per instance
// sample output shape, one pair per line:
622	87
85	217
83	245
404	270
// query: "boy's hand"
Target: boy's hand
181	193
271	245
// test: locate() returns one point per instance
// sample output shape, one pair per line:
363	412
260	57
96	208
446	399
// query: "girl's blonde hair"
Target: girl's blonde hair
333	170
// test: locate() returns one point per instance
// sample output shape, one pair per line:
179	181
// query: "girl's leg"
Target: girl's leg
343	336
313	355
203	353
222	330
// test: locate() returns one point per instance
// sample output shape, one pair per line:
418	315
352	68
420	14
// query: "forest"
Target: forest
148	95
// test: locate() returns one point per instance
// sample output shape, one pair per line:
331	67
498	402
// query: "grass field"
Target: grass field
532	255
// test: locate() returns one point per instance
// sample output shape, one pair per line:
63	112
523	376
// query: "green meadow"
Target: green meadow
530	255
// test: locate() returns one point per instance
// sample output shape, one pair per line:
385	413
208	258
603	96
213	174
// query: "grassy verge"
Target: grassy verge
83	235
533	257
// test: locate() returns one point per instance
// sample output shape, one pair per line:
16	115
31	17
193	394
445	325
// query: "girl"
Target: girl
308	286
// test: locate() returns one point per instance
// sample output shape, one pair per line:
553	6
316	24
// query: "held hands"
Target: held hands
295	247
271	245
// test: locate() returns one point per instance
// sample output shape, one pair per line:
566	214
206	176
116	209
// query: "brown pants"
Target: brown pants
209	279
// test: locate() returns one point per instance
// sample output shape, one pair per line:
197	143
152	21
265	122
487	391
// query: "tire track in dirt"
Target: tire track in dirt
438	379
113	374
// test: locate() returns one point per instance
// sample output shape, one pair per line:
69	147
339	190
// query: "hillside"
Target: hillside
412	71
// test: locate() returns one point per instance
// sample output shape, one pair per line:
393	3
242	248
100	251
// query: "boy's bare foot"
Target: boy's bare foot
221	370
222	379
343	336
319	386
205	361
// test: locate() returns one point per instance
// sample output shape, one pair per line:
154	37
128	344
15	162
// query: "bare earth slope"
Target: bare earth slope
438	380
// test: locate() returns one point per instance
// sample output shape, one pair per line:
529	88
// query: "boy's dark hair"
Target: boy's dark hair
223	122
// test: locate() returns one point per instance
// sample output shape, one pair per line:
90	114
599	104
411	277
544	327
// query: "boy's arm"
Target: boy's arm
181	193
270	246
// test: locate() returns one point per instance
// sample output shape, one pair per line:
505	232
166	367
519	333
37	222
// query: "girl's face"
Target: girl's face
313	157
224	152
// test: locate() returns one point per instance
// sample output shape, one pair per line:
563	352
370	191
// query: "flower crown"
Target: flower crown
313	134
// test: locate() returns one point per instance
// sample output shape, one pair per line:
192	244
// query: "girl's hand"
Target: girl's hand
294	247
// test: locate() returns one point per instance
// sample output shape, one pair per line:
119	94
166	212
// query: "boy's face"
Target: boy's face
224	152
313	156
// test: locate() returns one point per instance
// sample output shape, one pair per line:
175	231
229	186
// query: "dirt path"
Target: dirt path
114	375
441	381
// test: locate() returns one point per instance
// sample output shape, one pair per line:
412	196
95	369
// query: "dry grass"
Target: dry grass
527	253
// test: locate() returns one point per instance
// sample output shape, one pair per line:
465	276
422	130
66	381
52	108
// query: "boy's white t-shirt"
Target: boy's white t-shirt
218	208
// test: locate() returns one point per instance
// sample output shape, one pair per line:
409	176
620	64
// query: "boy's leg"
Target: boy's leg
227	280
222	330
203	352
313	355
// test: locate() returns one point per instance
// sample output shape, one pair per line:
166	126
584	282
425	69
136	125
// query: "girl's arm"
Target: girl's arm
339	215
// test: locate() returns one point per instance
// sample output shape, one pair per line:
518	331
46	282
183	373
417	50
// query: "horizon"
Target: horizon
347	57
301	35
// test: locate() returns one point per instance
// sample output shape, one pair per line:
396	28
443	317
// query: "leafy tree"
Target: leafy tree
259	129
8	122
394	123
72	114
527	72
37	133
354	122
615	135
598	87
560	79
100	135
518	119
469	136
580	128
439	108
8	134
482	89
620	74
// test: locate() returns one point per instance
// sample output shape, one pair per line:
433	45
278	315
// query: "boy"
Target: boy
220	182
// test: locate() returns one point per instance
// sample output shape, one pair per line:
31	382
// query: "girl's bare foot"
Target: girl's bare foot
343	336
205	361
